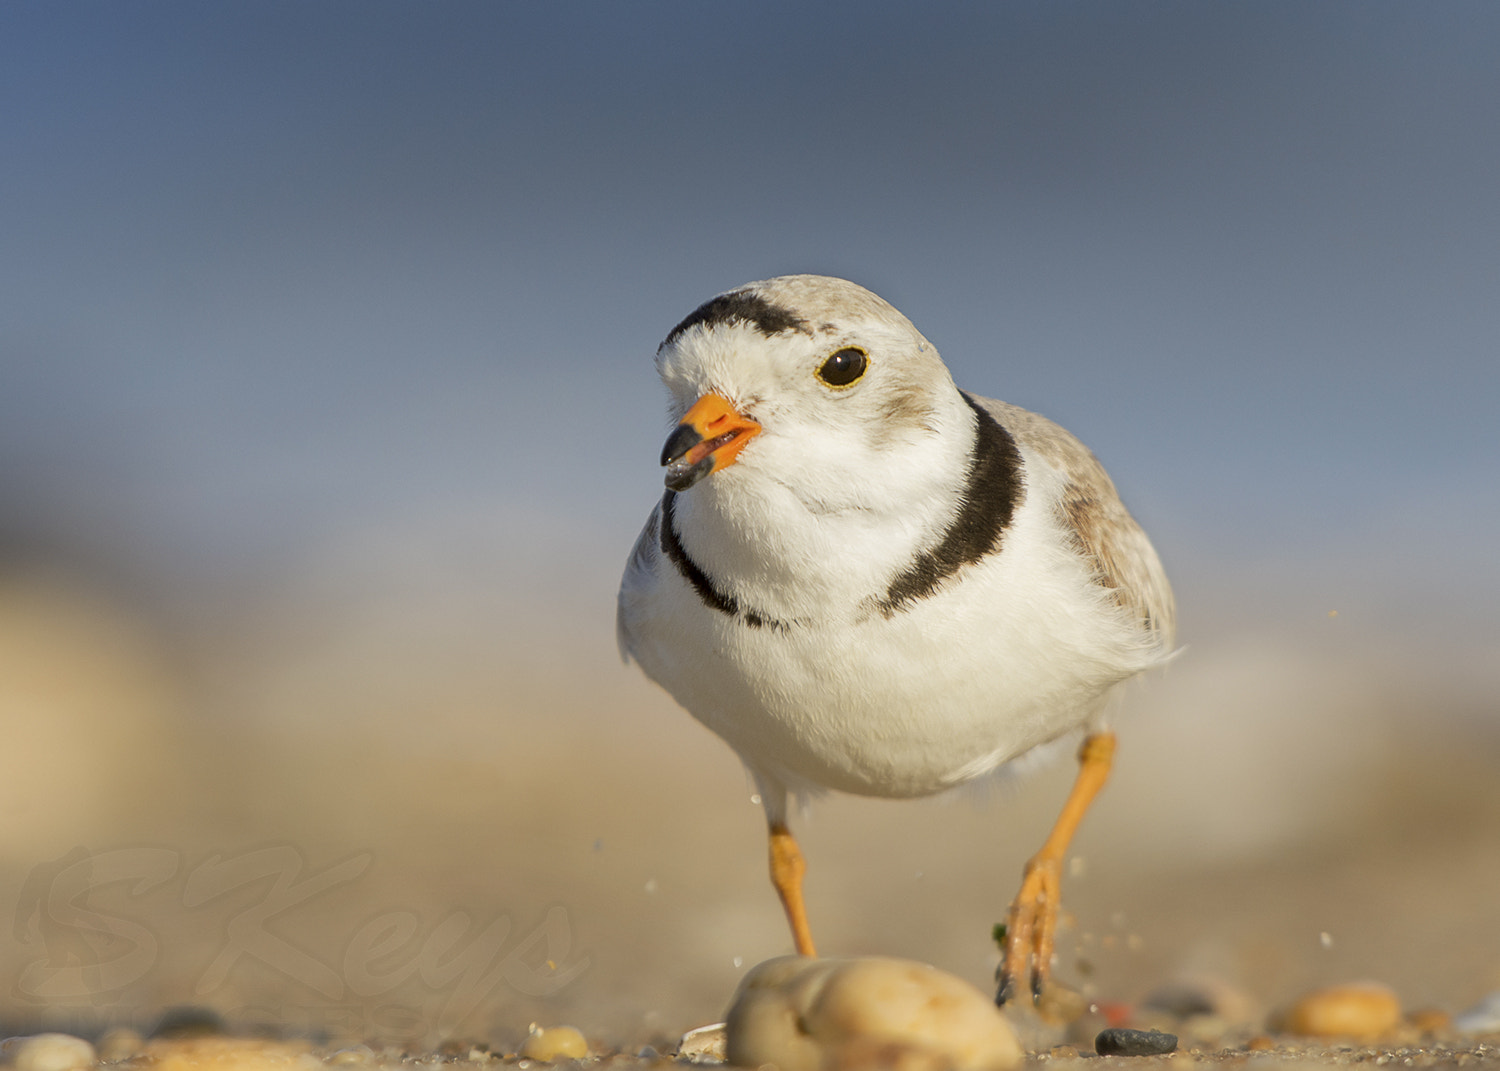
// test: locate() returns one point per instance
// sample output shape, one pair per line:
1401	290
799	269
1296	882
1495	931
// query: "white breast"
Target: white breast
1009	653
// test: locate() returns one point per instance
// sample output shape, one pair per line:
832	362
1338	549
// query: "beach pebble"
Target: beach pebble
1360	1010
704	1044
1122	1041
189	1021
229	1054
1061	1005
554	1043
1182	999
807	1014
1429	1021
1482	1018
49	1052
1203	1029
1194	995
351	1054
119	1043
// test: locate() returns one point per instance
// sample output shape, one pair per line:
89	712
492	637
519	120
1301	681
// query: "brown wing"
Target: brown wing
1123	557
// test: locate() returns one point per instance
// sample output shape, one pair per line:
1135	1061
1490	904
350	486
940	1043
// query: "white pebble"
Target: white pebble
51	1052
703	1044
809	1014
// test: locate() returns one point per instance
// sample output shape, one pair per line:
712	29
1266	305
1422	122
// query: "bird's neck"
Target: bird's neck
785	552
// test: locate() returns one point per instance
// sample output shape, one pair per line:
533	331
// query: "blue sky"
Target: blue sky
275	274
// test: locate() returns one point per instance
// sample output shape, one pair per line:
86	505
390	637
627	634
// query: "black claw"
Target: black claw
1006	991
1036	987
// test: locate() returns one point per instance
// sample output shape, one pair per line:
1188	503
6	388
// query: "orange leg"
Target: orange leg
1031	925
787	868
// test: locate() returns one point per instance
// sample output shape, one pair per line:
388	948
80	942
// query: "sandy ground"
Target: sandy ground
311	837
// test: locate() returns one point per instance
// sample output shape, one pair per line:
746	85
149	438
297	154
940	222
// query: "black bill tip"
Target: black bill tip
681	475
683	438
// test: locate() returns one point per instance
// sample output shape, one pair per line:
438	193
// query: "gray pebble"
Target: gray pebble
1182	999
1119	1041
189	1021
1482	1018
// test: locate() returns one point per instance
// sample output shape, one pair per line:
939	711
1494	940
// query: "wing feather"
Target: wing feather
1123	558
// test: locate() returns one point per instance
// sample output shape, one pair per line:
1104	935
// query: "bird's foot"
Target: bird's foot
1030	930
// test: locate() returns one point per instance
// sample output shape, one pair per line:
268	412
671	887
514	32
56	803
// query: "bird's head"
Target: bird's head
806	380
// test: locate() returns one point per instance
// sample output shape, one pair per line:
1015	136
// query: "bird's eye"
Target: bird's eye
844	368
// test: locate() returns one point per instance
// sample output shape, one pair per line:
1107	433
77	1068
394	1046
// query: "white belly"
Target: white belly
1012	652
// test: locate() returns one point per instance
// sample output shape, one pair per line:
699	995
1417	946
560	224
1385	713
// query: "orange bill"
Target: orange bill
710	437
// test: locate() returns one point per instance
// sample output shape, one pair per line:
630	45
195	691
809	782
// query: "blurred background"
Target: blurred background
327	419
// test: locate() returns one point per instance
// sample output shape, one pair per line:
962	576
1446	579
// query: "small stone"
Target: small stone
1482	1018
119	1043
1430	1020
1260	1043
808	1014
647	1052
703	1044
1122	1041
554	1043
1364	1010
228	1054
1060	1005
51	1052
189	1021
1181	998
352	1054
1199	994
1402	1035
1204	1029
464	1048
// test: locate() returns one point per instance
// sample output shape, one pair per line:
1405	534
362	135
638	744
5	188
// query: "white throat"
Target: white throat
802	536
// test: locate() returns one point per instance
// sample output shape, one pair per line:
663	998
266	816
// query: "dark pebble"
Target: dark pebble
1117	1041
189	1021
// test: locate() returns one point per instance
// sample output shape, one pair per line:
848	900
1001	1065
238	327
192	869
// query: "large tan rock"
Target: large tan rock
818	1014
553	1043
1362	1010
228	1054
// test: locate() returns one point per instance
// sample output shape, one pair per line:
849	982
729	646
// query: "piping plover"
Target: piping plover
865	579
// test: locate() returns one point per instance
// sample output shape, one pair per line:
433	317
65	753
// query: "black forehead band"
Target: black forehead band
741	307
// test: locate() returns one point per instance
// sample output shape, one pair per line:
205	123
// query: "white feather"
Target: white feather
839	493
